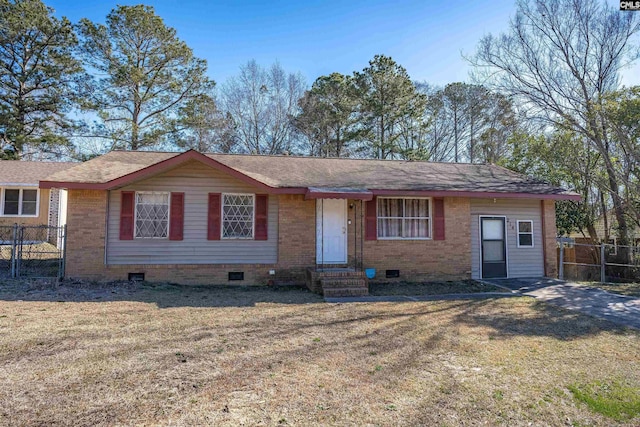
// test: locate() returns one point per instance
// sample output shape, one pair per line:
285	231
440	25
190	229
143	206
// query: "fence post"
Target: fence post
603	277
13	251
561	266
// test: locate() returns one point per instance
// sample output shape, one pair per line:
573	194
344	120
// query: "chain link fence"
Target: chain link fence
32	251
598	262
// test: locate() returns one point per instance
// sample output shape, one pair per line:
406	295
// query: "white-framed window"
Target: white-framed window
404	218
152	215
238	213
19	202
525	234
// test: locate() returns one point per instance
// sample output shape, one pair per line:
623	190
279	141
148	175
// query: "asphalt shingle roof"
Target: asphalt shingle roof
23	172
292	171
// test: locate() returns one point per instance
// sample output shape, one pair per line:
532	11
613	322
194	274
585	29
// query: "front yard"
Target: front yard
141	355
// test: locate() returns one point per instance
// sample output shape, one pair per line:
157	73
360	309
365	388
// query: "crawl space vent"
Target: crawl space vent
236	275
136	277
392	274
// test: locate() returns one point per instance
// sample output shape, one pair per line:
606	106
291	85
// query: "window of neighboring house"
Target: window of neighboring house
238	216
152	215
404	218
19	202
525	234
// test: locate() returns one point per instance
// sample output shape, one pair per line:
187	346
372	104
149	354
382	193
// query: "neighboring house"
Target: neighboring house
208	219
21	201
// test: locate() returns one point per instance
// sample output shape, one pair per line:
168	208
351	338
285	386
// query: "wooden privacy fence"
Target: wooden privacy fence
597	262
32	251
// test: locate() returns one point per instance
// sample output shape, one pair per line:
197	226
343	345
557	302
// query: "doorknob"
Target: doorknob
344	230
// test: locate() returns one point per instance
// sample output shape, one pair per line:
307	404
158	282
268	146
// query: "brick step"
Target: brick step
343	282
345	292
332	274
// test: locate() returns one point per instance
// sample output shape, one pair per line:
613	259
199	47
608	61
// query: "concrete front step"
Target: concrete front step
345	292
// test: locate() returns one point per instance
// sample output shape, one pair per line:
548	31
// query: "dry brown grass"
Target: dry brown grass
171	356
431	288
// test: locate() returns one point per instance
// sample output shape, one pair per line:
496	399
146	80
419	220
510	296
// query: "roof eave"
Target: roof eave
478	194
363	196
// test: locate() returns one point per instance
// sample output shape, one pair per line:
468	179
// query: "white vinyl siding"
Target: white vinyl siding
196	181
521	261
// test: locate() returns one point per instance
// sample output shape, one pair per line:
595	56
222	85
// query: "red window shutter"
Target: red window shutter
438	219
213	218
371	220
176	216
262	202
127	211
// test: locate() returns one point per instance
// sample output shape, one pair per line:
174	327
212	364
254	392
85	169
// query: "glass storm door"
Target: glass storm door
493	247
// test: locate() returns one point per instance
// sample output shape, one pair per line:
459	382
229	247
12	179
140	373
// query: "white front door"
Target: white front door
331	231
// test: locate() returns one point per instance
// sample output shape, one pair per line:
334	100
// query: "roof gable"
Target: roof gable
110	173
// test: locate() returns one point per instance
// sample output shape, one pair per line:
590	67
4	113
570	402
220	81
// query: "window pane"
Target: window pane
29	202
390	207
237	216
389	228
492	251
525	239
524	227
416	228
152	215
492	229
417	208
29	195
11	200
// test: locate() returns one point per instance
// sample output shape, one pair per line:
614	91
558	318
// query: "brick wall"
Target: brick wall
550	233
416	260
447	259
85	251
85	233
296	235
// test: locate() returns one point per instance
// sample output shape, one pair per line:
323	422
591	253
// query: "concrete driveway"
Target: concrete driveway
619	309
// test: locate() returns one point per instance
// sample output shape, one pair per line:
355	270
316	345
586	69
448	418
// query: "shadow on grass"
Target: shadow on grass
162	295
533	318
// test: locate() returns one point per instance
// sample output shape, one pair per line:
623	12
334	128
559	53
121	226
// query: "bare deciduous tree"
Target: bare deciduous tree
262	102
561	57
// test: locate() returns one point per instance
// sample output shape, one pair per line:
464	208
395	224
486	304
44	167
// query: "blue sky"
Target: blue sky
320	37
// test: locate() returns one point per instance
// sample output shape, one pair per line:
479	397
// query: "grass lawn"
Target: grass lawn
431	288
142	355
